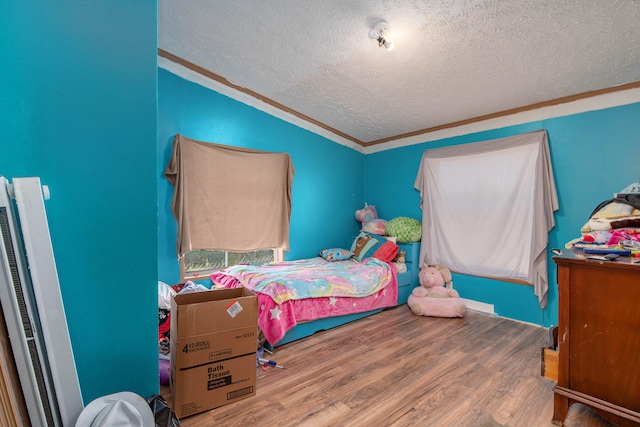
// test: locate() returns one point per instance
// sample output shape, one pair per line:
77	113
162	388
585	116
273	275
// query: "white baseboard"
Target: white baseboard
479	306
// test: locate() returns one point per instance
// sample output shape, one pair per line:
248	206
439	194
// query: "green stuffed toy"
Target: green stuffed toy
405	229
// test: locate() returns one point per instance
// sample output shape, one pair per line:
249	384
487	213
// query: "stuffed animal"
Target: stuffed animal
400	257
368	216
404	229
400	262
435	296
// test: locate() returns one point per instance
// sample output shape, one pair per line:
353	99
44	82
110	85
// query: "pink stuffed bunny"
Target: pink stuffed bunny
435	296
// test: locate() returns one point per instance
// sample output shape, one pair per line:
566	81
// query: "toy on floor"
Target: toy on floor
435	296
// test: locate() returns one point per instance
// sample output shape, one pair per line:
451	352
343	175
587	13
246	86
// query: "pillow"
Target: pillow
335	254
405	229
365	244
376	226
370	245
386	252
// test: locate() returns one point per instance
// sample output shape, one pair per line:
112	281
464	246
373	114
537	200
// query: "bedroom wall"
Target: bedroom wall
79	89
328	182
593	154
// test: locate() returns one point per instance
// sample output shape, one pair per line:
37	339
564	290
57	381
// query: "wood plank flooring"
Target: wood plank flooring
398	369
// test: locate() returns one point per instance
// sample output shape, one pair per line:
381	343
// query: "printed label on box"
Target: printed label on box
192	351
209	386
219	382
196	346
220	354
239	393
234	309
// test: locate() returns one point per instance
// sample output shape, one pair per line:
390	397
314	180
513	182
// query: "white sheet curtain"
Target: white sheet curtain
487	208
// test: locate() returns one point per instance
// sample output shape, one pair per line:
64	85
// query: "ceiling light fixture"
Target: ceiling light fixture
378	32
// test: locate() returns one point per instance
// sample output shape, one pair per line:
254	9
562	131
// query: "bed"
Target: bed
298	298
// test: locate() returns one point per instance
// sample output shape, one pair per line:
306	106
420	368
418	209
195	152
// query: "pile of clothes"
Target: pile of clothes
614	223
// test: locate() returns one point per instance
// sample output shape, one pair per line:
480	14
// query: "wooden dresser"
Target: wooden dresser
598	338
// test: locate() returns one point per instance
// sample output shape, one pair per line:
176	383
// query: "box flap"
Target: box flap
210	313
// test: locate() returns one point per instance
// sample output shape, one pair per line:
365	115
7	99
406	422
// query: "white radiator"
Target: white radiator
32	306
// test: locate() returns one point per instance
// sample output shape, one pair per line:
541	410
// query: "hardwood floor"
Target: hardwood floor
398	369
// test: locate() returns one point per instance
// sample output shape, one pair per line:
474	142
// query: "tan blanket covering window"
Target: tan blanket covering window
229	198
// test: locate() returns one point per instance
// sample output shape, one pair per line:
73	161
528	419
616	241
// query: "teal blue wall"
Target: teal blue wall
328	183
79	95
593	154
78	84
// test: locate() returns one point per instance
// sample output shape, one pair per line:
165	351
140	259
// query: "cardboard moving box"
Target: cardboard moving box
213	349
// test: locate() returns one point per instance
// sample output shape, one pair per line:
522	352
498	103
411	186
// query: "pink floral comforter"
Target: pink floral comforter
300	291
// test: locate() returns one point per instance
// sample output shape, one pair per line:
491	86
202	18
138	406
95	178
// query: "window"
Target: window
197	264
232	205
487	208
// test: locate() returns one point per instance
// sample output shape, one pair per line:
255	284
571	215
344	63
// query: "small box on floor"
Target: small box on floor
213	349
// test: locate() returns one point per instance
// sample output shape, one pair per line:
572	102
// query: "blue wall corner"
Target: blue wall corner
328	182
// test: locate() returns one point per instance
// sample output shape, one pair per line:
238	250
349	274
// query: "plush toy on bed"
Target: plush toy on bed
400	262
368	216
435	296
401	257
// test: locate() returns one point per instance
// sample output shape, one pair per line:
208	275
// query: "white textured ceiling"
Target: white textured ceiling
453	60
